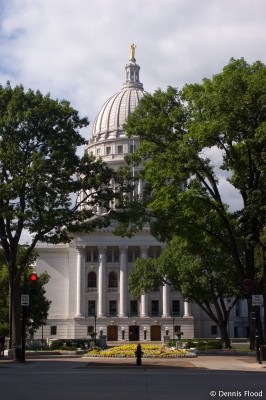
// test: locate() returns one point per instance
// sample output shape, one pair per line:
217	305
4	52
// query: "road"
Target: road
77	380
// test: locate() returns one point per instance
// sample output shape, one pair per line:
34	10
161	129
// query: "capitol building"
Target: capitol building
88	283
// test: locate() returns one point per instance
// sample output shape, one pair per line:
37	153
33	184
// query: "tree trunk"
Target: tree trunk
16	313
264	291
224	335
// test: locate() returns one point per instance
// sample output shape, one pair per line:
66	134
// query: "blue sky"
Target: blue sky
77	49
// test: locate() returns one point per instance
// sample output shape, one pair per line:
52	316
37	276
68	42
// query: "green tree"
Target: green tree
43	182
178	130
201	273
39	304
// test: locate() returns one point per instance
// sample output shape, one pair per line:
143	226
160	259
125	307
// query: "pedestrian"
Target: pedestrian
2	345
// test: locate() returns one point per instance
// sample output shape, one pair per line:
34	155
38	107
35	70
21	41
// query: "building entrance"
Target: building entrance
134	333
155	332
112	332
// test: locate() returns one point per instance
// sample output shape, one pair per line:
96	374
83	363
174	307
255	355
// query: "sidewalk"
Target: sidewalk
233	362
213	362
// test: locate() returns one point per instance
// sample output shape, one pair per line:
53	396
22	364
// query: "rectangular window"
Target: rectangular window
98	151
132	255
155	307
177	329
91	308
112	308
120	149
133	308
112	255
109	256
116	256
53	330
108	150
90	329
176	308
95	256
132	148
92	256
154	252
214	330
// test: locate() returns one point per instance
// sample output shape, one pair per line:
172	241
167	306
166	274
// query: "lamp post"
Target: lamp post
95	318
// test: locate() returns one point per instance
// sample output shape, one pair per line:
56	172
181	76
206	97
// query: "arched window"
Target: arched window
92	280
112	280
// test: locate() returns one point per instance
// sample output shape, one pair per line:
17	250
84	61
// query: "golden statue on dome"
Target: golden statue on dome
132	51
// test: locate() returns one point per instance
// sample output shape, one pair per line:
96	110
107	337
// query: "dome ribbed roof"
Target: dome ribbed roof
113	114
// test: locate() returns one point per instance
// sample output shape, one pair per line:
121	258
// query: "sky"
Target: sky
77	49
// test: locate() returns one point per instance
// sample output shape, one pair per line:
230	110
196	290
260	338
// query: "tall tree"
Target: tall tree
178	130
201	273
43	182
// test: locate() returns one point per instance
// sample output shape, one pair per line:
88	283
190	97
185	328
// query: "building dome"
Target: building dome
113	114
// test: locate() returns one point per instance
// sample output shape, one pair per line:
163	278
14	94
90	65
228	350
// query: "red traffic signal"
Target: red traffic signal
33	277
248	286
33	282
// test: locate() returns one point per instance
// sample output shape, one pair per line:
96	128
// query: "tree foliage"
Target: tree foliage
37	311
202	273
179	131
43	182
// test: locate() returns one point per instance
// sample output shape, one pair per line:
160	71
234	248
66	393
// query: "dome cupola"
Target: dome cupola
108	124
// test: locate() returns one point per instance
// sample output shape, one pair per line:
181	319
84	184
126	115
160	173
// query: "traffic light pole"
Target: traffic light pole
257	337
23	334
23	325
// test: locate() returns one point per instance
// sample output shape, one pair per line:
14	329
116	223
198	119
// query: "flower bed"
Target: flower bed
149	351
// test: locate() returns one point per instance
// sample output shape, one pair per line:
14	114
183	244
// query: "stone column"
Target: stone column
144	297
166	300
187	310
80	281
102	283
123	287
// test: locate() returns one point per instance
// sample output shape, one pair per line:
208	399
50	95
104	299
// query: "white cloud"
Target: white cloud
77	50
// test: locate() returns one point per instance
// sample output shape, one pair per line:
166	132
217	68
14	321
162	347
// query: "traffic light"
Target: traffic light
33	283
248	286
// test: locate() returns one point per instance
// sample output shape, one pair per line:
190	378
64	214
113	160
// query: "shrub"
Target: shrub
56	345
200	344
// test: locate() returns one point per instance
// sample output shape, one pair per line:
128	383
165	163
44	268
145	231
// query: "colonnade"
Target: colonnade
123	287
